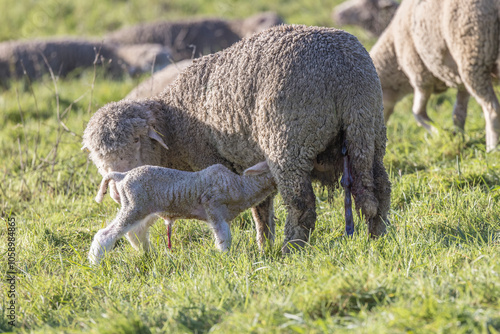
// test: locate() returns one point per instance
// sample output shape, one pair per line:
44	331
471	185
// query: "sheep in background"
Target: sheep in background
144	58
63	55
298	97
371	15
155	84
215	195
255	23
192	38
432	45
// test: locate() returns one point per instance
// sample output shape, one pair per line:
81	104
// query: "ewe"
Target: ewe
297	97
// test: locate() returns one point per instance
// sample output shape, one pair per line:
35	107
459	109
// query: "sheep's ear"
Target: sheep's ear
156	136
84	148
260	168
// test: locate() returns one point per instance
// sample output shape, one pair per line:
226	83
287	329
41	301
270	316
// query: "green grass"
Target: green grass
436	270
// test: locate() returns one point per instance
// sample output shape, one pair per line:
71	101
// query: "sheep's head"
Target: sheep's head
372	15
122	135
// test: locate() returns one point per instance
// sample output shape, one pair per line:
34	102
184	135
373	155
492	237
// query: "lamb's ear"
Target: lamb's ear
257	169
154	135
84	147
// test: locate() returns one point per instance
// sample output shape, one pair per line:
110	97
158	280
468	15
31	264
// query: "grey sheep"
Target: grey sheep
155	84
432	45
371	15
291	95
215	195
63	55
192	38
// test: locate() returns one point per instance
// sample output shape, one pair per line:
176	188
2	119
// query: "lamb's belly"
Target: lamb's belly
197	212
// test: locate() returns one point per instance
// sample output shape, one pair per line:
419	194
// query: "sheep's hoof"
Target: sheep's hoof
293	246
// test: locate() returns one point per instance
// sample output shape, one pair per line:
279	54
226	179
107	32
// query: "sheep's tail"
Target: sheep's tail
104	184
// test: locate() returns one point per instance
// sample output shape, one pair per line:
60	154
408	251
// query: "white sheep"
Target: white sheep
215	195
302	98
432	45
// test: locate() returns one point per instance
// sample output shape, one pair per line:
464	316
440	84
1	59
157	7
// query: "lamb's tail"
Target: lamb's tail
104	184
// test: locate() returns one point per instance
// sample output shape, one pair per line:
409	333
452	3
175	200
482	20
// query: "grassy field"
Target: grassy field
436	270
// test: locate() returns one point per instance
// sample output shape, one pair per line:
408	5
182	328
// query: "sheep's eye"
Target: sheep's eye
136	140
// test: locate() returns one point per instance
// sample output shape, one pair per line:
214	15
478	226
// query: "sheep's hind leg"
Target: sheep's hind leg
420	98
346	182
263	215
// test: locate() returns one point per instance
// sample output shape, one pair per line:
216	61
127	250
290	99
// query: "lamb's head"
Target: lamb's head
372	15
122	135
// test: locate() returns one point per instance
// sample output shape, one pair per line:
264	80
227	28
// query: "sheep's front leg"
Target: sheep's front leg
460	109
346	182
105	239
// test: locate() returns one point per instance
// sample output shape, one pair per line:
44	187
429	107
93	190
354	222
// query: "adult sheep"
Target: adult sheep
35	58
193	38
432	45
291	95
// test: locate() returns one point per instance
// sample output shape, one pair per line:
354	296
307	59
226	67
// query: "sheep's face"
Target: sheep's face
120	137
373	15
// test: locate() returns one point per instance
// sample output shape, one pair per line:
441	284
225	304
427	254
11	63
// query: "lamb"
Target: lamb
215	195
432	45
192	38
63	55
155	84
371	15
302	98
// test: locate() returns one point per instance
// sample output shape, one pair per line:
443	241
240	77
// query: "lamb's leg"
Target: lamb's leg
263	215
139	235
460	109
346	182
216	219
420	98
105	239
